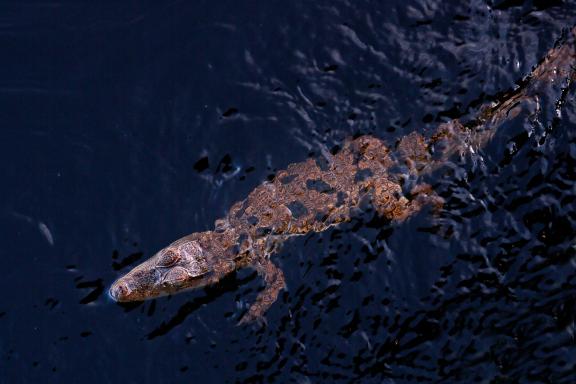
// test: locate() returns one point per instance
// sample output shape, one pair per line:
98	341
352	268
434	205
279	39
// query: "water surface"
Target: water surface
125	127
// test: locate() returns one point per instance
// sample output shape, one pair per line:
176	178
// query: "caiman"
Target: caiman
313	195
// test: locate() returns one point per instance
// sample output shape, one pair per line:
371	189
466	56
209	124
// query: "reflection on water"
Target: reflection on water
131	126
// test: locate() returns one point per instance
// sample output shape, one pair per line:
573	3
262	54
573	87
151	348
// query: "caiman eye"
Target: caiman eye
175	277
168	259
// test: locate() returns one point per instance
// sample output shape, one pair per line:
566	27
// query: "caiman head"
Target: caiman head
182	265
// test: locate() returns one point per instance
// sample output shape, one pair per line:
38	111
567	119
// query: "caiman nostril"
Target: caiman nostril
119	291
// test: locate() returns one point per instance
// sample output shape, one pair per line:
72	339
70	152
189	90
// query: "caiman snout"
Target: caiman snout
120	291
181	265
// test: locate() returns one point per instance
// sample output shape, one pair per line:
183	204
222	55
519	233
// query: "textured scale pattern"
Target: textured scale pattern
315	194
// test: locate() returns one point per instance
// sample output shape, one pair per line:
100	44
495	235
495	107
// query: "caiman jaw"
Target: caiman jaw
177	267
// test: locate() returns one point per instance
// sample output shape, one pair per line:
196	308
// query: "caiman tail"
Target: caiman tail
313	195
545	85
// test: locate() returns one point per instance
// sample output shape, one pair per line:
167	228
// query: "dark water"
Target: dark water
124	127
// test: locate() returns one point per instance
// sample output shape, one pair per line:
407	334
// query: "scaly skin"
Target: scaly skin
316	194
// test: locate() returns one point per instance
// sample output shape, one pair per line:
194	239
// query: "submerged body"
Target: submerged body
318	193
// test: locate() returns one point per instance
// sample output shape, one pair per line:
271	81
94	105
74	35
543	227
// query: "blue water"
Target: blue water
127	126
